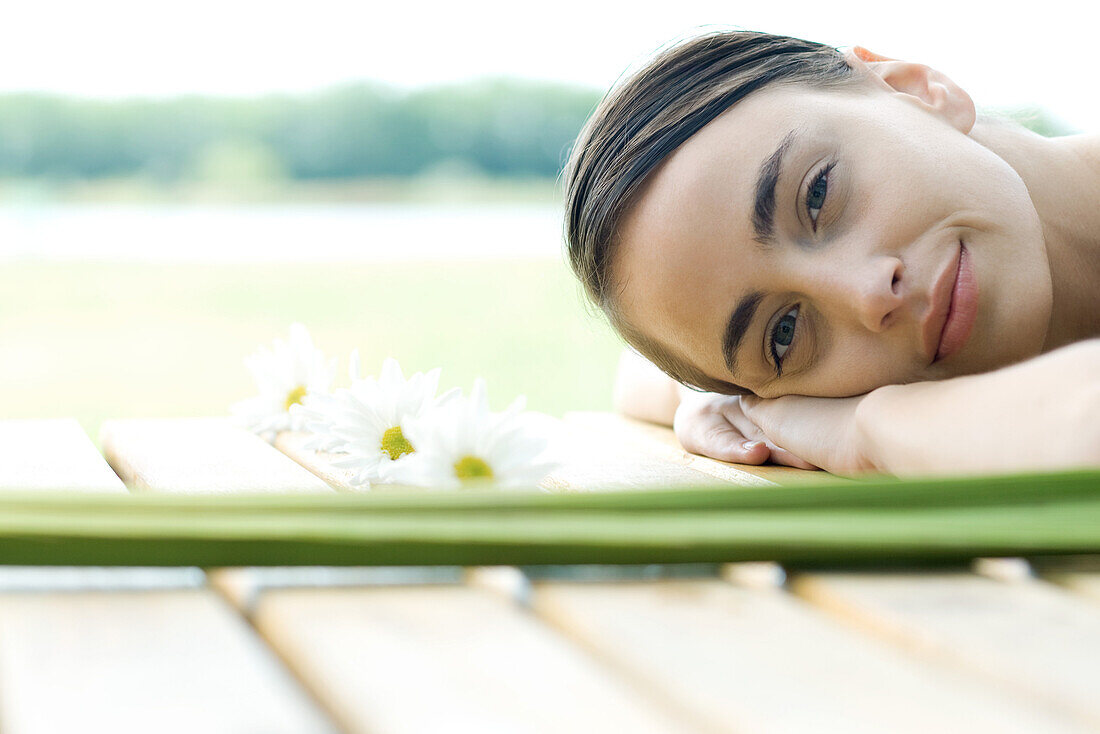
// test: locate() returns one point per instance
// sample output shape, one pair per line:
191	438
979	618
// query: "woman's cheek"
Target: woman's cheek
848	371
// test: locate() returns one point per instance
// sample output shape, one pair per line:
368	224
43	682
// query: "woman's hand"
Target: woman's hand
1036	415
820	430
716	426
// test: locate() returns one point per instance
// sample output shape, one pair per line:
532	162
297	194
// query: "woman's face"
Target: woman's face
875	195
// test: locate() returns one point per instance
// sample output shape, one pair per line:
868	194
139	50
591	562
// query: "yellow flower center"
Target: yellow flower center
471	467
295	396
395	444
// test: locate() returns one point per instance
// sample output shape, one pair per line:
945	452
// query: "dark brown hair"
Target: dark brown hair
646	117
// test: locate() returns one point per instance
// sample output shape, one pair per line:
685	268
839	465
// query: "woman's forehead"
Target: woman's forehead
701	196
678	248
707	183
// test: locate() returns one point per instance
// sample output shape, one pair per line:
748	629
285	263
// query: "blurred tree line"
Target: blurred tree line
503	128
491	127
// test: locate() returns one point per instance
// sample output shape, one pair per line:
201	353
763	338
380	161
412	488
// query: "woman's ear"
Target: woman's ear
931	88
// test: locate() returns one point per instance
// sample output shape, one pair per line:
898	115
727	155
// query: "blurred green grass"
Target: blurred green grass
98	340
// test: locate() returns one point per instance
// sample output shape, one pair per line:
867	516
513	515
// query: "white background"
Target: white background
1040	53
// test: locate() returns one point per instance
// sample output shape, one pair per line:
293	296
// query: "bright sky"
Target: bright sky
1042	54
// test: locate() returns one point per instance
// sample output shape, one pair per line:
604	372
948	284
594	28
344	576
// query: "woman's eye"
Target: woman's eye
815	193
782	336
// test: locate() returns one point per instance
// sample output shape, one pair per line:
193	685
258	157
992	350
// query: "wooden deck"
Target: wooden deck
998	647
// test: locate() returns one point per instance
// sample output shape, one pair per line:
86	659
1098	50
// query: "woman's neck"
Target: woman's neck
1063	177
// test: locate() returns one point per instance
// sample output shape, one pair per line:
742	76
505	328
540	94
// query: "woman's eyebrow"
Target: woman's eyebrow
763	216
763	224
738	325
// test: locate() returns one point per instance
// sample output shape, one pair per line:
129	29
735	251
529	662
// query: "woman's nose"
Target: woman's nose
875	292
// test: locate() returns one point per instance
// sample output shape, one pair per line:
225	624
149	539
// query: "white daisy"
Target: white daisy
285	374
464	445
365	420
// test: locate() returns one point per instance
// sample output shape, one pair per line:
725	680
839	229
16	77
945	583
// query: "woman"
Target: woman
859	272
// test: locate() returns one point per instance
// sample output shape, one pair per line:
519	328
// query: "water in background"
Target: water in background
280	233
114	311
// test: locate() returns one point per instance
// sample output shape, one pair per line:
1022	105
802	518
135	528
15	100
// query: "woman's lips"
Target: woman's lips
963	309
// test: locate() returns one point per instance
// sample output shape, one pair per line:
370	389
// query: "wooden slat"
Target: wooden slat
57	454
761	661
227	459
200	456
594	460
991	598
458	657
1003	569
481	663
423	659
1030	637
214	456
244	584
659	443
169	661
317	462
441	628
589	461
52	454
507	582
754	575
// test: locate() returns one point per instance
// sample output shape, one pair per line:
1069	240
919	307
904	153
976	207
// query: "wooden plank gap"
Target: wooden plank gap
242	587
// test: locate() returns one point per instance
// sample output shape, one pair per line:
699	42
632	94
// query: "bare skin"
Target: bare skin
855	258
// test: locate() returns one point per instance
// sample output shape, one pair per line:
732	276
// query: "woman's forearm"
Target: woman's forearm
642	391
1040	414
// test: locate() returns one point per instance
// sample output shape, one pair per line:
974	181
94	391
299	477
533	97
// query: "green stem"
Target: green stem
529	537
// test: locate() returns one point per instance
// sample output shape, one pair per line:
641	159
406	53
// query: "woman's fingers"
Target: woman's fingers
779	455
775	454
782	456
822	430
724	441
729	443
733	438
711	434
751	451
718	428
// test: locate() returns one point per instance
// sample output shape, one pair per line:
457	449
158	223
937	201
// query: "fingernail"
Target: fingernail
750	445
